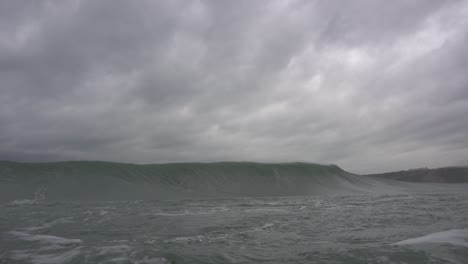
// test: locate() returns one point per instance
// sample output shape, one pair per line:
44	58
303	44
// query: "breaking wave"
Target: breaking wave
28	183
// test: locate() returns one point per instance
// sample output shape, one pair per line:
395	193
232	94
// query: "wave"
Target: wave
89	180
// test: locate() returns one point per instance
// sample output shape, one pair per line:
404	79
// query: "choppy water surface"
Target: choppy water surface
403	228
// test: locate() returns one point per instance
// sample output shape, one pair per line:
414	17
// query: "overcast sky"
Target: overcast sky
368	85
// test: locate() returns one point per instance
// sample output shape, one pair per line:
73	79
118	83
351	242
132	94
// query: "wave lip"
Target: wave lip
457	237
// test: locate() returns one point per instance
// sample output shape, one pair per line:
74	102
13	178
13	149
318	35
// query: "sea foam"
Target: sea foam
458	237
45	239
35	257
22	202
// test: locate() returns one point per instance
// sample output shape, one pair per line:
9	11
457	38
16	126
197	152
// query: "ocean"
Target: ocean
98	212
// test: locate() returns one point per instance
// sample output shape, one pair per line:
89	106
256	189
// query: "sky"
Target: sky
371	86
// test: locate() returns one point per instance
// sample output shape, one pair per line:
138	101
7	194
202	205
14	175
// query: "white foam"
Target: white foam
457	237
317	203
119	241
172	214
266	210
117	249
36	258
103	212
187	212
148	260
48	225
119	260
46	239
267	225
23	202
190	239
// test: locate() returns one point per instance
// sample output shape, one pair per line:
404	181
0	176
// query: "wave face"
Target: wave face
89	180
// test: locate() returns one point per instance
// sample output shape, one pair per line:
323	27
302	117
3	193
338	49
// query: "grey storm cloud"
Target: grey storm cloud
368	85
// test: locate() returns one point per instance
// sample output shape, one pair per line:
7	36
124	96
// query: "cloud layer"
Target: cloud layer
369	85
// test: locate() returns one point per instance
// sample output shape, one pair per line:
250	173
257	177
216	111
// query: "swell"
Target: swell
93	180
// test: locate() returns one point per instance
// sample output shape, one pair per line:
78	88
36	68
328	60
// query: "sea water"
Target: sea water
360	228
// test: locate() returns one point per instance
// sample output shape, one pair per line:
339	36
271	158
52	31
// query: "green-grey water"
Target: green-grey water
226	213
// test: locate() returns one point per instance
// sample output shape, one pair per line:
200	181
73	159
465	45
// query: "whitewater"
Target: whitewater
226	212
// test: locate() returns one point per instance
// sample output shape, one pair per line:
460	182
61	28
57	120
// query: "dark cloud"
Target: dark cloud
369	85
